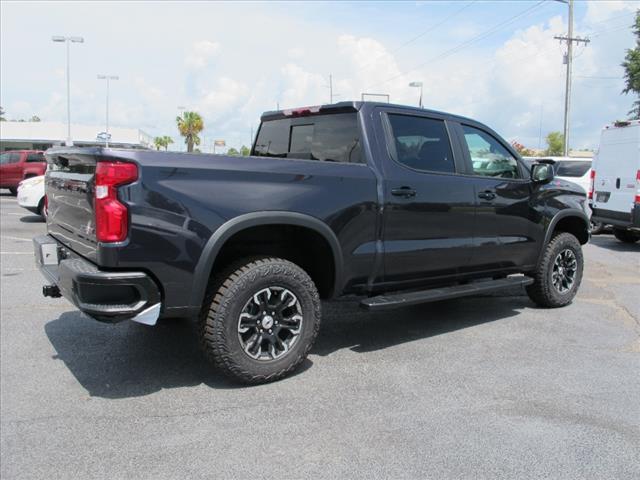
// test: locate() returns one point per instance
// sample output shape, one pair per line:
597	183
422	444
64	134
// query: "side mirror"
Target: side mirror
542	173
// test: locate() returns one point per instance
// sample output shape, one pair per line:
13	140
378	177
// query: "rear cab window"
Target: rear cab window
571	168
331	137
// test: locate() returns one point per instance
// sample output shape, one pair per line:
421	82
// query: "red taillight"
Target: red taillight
592	184
637	197
112	217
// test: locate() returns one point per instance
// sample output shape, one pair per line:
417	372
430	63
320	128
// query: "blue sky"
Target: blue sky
493	60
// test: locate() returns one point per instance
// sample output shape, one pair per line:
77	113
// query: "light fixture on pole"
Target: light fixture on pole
68	40
107	78
418	84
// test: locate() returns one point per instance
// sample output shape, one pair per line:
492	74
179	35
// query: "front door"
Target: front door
428	207
506	229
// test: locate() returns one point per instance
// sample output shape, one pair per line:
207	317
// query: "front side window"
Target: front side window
327	138
489	157
36	157
422	143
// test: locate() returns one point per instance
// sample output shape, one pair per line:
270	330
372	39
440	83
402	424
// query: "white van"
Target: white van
615	180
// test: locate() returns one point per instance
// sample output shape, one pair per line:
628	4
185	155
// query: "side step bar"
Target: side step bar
388	301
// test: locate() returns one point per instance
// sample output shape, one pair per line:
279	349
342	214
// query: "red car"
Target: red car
17	165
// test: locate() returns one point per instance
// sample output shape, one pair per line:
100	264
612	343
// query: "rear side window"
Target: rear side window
489	157
572	169
327	138
36	157
422	143
4	158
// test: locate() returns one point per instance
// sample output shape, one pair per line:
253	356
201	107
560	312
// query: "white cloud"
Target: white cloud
201	53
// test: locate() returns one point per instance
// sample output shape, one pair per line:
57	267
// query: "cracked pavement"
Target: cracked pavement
483	387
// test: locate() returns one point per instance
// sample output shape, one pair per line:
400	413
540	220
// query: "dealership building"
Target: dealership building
43	135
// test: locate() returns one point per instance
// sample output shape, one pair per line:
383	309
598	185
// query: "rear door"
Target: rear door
11	169
428	207
506	232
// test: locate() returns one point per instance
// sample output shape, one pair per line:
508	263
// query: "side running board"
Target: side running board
388	301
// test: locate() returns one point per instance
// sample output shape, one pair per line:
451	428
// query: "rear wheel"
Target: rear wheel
596	227
260	319
559	273
626	236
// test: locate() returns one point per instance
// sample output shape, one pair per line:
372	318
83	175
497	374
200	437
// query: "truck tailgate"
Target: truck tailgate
69	189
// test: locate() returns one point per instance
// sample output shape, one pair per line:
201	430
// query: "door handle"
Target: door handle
487	195
404	192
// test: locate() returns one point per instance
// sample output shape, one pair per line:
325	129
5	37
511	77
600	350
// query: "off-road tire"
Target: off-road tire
626	236
227	295
542	290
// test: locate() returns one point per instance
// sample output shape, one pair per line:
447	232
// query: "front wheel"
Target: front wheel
260	319
559	272
626	236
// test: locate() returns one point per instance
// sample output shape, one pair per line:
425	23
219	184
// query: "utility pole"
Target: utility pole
570	40
330	87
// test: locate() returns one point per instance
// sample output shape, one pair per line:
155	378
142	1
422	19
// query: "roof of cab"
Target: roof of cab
351	106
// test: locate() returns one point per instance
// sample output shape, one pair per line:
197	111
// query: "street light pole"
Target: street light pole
418	84
67	40
107	78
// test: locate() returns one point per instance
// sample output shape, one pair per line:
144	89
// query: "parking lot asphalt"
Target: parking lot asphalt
484	387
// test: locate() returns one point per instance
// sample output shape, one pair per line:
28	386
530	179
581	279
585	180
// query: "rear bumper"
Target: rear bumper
629	220
105	296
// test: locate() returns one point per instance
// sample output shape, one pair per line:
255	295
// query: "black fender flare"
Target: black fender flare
570	212
248	220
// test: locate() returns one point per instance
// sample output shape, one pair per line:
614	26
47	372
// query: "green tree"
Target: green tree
233	152
163	142
34	118
245	151
631	67
2	112
189	126
555	144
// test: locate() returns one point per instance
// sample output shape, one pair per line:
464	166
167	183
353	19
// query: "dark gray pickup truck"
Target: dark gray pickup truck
389	204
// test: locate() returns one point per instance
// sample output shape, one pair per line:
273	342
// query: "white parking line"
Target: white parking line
19	239
16	253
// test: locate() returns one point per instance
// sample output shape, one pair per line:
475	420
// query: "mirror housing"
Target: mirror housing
542	172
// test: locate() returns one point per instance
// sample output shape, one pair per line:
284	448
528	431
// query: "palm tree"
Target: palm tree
163	141
190	125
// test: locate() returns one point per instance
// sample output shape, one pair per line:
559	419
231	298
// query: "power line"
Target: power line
462	45
421	34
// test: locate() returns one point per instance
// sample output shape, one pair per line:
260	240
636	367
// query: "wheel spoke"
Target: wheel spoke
270	323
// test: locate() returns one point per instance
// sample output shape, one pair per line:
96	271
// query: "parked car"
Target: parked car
578	171
615	180
572	169
31	195
391	204
16	165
